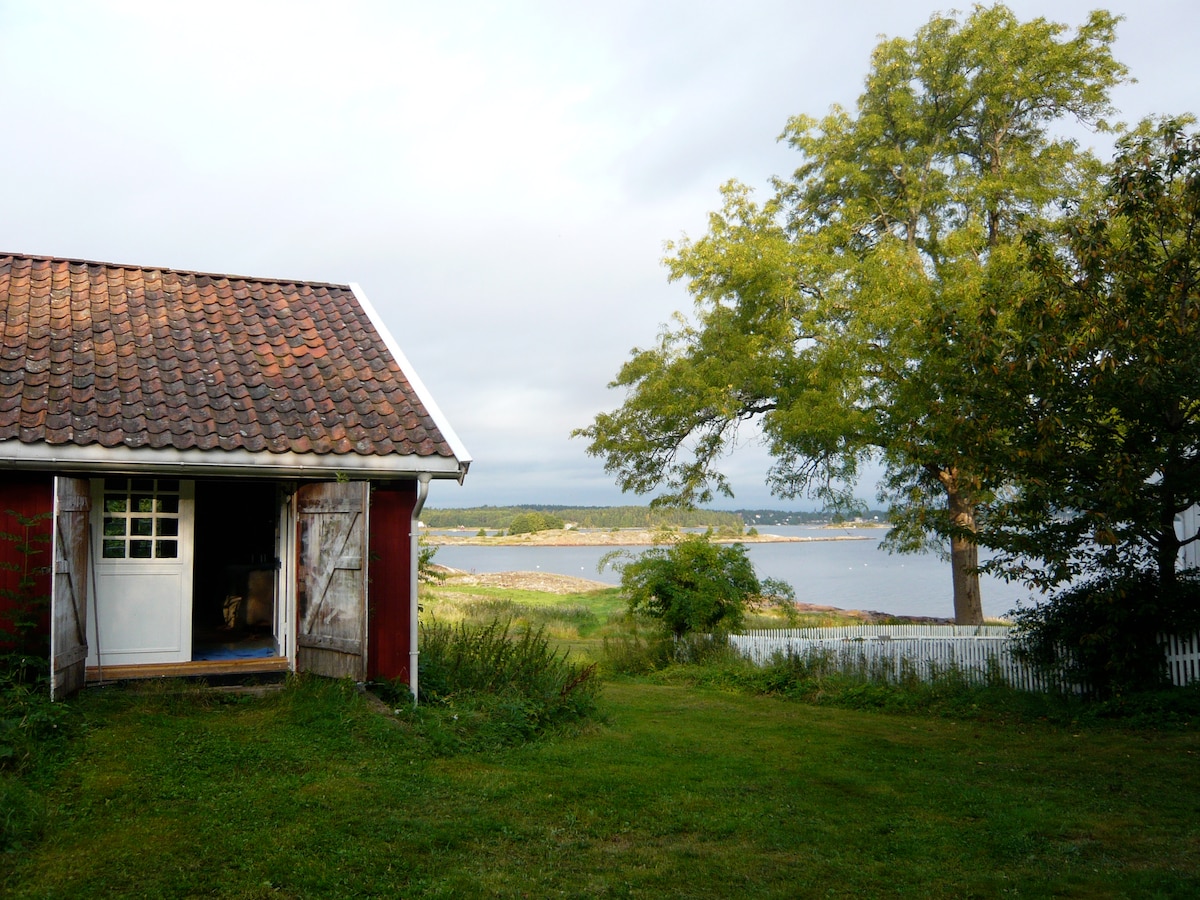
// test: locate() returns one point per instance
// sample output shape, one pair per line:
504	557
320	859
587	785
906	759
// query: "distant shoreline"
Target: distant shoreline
622	538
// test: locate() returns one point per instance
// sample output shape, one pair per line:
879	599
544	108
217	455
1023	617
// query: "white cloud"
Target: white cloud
499	177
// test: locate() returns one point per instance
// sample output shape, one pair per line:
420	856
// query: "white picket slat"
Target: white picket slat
1183	658
893	652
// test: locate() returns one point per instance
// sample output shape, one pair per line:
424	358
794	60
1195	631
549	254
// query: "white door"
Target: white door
142	552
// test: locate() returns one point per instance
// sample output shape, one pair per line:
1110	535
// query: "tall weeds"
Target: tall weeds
499	687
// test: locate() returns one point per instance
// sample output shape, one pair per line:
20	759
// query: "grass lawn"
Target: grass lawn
679	791
676	790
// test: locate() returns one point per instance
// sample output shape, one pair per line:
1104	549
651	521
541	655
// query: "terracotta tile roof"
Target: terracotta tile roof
110	355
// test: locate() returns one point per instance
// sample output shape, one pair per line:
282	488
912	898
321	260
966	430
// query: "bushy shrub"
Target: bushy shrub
1105	633
502	688
693	585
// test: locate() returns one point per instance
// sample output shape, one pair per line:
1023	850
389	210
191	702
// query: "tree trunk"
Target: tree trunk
964	554
1167	548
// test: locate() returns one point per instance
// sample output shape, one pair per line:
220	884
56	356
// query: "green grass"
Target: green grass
689	783
575	622
678	791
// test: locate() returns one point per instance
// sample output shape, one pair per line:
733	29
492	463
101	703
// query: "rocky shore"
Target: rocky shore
625	537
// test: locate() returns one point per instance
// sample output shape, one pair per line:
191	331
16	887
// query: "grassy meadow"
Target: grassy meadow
684	784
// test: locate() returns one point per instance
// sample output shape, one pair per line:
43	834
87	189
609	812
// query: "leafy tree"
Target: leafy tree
832	315
693	585
1103	352
533	522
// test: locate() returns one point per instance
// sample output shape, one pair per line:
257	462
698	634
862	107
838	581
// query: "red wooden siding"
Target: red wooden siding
389	590
28	495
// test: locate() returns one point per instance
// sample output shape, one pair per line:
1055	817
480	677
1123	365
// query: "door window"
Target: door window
141	518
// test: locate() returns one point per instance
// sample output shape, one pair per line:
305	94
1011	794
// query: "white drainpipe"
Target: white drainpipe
413	625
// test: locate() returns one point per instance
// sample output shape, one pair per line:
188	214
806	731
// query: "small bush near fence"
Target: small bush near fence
980	655
852	679
1108	632
493	688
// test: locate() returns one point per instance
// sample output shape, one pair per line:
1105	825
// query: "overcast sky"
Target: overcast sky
498	177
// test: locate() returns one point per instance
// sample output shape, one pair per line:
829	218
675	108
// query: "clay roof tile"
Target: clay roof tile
95	353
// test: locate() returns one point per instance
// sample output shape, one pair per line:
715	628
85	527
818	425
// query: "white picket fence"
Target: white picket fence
1183	659
894	652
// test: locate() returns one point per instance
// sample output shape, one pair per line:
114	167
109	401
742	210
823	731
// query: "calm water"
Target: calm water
847	574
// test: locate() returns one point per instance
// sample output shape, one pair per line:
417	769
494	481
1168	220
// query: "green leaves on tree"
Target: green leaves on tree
834	317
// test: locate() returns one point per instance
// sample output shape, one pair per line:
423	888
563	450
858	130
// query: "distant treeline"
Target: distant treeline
500	517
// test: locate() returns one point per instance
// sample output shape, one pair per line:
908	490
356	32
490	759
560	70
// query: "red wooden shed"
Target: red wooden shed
230	469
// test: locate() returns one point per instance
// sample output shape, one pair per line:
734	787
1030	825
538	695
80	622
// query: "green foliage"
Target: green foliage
693	585
630	651
33	734
24	646
575	617
426	571
28	722
533	522
1101	353
1105	633
819	680
497	518
501	688
685	789
32	729
834	313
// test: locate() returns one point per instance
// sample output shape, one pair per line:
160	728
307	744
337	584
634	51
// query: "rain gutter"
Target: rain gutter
415	577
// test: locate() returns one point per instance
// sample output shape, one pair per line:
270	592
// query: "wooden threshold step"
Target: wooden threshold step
197	669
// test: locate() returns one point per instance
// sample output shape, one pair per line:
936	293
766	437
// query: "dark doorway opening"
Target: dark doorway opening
236	562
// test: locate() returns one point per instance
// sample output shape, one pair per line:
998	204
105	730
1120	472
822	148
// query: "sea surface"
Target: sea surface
847	574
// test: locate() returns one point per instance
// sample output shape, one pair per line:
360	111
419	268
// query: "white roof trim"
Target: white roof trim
435	412
95	458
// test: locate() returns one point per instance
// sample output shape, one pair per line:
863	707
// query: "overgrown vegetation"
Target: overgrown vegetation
24	601
427	570
32	729
814	680
34	734
500	687
1106	632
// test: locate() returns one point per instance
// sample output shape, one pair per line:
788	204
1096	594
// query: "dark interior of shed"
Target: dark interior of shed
236	562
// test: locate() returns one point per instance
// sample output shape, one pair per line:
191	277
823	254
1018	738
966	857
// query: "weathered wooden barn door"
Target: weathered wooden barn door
69	586
331	579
